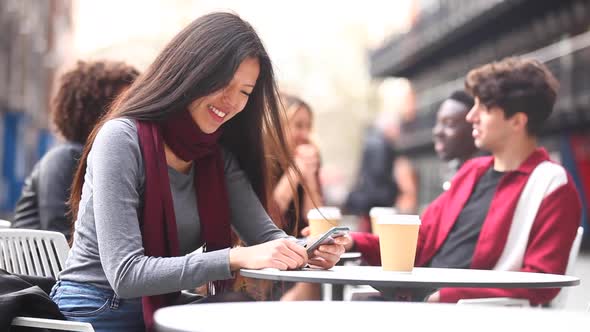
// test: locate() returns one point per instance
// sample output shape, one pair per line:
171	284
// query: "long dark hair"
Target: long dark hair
200	60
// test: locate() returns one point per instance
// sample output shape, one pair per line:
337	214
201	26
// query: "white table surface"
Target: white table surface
364	316
419	278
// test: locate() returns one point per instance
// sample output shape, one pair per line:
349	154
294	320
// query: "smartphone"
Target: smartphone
327	238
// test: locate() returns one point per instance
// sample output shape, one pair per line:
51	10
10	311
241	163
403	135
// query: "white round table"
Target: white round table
337	291
362	316
420	277
427	279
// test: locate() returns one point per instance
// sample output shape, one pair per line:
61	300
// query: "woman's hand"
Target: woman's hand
282	254
434	298
307	159
346	240
305	231
327	255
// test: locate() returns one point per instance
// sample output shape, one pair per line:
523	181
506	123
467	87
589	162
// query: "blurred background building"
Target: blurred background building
450	37
319	53
34	43
337	58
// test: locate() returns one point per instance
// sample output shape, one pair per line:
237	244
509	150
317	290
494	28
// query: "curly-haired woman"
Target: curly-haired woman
83	95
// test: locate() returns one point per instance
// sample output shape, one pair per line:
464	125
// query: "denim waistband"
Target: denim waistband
88	289
85	288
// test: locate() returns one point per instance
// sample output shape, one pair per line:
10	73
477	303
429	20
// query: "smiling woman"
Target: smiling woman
212	111
177	161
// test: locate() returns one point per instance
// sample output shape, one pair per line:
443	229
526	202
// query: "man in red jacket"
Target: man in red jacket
515	210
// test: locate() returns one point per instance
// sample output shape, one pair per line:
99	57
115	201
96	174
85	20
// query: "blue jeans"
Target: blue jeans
100	307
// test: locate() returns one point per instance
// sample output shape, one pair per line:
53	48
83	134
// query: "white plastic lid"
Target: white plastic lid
376	211
324	212
399	219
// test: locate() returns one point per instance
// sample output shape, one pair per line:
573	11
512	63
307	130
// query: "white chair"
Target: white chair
560	300
33	252
53	324
37	253
5	223
557	303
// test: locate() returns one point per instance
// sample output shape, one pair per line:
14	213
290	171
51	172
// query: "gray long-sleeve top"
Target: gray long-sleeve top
107	250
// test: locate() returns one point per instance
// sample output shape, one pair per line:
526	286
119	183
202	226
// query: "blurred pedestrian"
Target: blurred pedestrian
375	184
385	178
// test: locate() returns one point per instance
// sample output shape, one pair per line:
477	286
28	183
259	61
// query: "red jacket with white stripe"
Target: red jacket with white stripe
544	244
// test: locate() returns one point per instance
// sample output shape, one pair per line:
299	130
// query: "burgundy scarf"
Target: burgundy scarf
158	223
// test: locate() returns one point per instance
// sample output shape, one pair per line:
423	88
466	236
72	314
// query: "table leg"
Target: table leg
337	292
337	289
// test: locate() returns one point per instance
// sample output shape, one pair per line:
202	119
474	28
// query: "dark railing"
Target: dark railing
460	27
534	34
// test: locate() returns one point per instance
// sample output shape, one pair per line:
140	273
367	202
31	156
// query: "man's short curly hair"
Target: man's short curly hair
85	93
516	85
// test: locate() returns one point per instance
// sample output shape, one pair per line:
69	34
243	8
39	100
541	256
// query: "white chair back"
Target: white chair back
558	302
33	252
37	253
5	223
561	298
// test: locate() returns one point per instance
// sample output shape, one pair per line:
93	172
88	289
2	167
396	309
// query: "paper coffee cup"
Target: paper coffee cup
322	219
398	238
375	212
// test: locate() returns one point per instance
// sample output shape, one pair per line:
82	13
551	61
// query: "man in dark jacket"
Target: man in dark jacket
375	185
452	133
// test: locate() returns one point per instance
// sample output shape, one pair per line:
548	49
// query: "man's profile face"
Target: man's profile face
491	130
452	133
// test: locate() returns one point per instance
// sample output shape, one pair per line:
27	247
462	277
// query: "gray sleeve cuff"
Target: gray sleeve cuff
208	266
